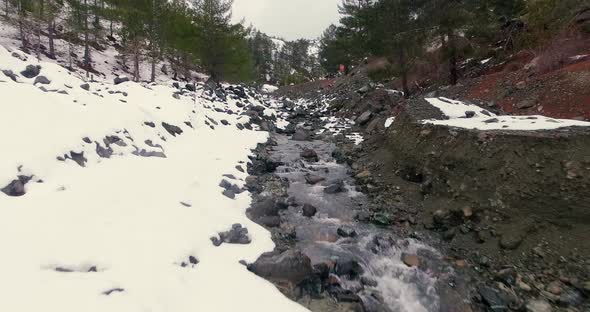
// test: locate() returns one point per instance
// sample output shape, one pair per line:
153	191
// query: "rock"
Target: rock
469	114
191	87
348	267
337	187
42	80
521	85
411	260
85	86
120	79
150	124
491	120
301	135
290	267
176	85
313	179
381	219
16	188
511	241
10	74
229	194
506	276
172	129
309	210
346	231
236	235
554	288
193	260
224	122
538	305
364	118
496	300
31	71
570	298
367	281
467	212
309	155
524	104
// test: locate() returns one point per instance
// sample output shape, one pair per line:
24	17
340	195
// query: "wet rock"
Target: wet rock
337	187
262	164
570	298
411	260
364	118
309	210
289	268
236	235
31	71
367	281
301	135
172	129
346	231
511	241
309	155
42	80
16	188
313	179
120	79
348	267
506	276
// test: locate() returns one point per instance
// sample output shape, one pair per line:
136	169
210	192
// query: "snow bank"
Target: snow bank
113	235
469	116
269	88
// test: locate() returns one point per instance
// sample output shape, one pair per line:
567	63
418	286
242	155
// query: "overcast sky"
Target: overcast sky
290	19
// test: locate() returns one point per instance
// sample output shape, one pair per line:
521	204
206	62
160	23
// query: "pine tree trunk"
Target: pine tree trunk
86	38
153	76
136	63
6	8
96	15
404	70
50	29
38	48
453	75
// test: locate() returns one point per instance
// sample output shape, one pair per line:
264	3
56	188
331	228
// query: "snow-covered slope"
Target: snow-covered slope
120	204
464	115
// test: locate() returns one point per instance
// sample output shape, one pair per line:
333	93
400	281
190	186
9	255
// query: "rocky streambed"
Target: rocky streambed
331	254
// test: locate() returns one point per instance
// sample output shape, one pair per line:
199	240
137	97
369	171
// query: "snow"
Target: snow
389	121
485	120
456	109
123	215
483	62
269	88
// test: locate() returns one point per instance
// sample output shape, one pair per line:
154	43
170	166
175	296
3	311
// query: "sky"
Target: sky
289	19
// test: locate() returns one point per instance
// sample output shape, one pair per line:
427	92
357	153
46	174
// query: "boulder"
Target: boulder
309	210
10	74
289	268
364	118
42	80
301	135
313	179
309	155
121	79
236	235
172	129
16	188
31	71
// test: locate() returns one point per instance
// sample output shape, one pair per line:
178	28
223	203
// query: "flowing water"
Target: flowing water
398	287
